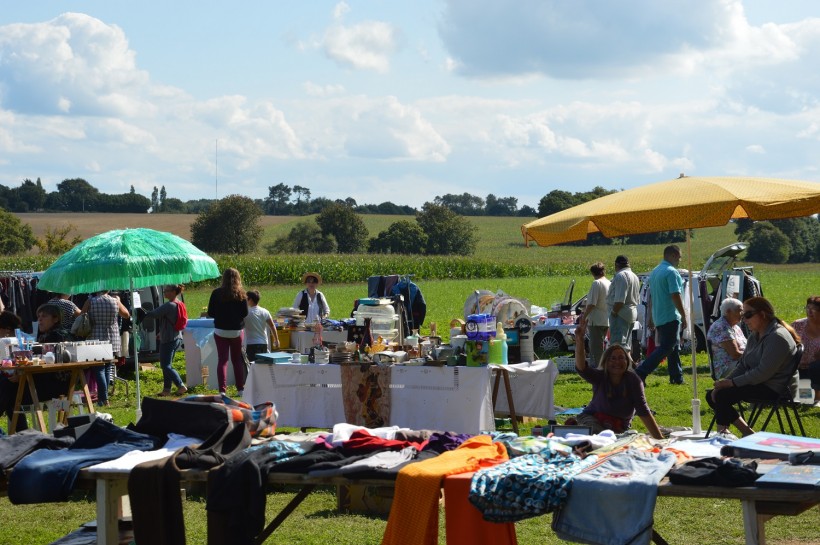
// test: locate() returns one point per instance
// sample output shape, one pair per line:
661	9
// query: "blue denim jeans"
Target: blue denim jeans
668	334
166	358
620	332
101	374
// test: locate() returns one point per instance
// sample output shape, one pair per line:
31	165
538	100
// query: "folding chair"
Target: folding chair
784	402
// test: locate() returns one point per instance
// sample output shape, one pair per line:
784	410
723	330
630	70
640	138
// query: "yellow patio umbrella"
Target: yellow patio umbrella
688	202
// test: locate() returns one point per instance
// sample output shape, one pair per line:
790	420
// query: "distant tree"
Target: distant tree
402	237
555	201
31	194
496	206
173	205
664	237
230	226
15	236
302	204
77	195
56	241
277	202
318	204
767	244
528	211
198	205
155	200
132	189
464	204
131	203
802	234
162	196
305	237
447	232
345	226
742	227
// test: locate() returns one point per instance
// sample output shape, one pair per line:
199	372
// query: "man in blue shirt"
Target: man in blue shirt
666	315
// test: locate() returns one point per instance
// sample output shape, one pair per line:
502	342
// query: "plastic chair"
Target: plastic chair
784	402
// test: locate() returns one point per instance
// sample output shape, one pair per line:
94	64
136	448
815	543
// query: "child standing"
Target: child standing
257	324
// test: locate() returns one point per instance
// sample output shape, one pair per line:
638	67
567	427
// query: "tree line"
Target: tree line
78	195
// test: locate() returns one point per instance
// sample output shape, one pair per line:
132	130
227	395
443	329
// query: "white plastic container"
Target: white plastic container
805	394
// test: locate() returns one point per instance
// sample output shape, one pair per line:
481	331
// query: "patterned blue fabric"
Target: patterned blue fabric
526	486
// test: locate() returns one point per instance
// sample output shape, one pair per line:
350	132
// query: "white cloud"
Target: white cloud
367	45
71	64
756	148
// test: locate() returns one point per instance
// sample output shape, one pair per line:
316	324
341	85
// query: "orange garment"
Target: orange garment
465	523
414	514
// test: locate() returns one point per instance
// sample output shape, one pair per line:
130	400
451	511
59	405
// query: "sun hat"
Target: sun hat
316	275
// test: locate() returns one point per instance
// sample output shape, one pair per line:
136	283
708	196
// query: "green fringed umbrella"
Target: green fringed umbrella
128	259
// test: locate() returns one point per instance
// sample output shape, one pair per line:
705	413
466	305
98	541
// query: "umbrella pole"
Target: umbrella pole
696	429
138	414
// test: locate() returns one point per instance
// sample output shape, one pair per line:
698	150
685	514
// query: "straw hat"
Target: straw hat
316	275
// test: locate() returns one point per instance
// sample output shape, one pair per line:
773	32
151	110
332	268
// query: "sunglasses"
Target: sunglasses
748	314
311	281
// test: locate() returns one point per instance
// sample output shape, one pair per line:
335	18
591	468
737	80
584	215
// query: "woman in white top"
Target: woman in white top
311	301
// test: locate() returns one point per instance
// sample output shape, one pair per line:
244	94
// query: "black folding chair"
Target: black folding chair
785	403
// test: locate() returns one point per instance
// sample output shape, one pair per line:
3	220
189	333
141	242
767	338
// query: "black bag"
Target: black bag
715	472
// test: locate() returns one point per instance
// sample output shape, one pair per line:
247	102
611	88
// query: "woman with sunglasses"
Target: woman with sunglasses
809	330
311	301
764	370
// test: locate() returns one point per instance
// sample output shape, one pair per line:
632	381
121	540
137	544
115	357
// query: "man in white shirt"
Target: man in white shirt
622	303
595	313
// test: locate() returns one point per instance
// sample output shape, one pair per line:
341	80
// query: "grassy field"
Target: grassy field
317	522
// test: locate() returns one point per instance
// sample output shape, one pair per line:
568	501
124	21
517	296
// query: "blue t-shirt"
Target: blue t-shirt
663	282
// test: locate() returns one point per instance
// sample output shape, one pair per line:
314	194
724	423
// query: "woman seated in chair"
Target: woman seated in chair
765	371
48	385
809	330
728	340
617	391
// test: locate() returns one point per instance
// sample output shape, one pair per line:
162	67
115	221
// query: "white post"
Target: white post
696	429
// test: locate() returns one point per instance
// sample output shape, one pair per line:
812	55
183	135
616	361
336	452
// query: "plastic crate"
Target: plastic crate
565	364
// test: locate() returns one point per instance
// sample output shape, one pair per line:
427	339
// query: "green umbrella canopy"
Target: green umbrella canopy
128	259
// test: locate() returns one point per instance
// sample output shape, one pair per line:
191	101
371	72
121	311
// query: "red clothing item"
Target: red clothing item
362	441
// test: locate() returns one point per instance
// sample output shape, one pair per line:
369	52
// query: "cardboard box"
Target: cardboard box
365	500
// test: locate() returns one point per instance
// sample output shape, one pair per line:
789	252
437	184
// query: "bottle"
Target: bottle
495	352
501	337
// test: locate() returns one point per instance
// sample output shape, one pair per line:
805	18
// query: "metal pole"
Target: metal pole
696	430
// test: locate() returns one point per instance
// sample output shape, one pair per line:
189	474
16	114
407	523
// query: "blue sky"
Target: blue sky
404	101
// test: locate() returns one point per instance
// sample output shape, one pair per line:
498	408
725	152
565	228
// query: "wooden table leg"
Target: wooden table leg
38	410
18	402
510	402
109	496
754	524
75	374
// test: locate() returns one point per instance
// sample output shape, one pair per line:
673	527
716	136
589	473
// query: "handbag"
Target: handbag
82	326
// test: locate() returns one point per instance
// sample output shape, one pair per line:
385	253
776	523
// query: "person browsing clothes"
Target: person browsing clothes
763	372
310	300
104	309
617	391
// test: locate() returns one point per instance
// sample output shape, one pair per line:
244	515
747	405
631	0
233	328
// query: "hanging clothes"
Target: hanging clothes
415	308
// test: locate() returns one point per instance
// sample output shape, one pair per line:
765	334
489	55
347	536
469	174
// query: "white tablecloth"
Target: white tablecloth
456	399
302	341
200	352
532	385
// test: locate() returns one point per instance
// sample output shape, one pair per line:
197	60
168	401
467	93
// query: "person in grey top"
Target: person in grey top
169	339
764	372
622	301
